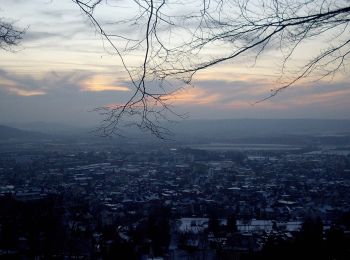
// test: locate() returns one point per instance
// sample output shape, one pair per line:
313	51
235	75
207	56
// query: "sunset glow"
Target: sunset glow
100	83
65	60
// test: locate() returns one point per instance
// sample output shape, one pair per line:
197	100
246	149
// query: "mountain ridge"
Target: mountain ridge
10	133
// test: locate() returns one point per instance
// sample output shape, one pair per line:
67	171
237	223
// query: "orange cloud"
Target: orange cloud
237	72
193	96
26	93
102	83
19	90
321	97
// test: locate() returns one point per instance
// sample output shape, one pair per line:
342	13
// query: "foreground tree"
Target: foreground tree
9	35
176	39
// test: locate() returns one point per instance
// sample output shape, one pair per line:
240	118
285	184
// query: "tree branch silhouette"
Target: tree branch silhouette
176	36
9	35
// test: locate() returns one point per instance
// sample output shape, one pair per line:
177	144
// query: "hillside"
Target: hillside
9	133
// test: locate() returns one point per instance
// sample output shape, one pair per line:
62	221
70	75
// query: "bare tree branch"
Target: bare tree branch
179	39
9	35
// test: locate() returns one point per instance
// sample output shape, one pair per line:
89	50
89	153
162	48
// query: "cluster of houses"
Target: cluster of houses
267	195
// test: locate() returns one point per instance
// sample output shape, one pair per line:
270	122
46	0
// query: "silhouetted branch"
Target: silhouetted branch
177	39
144	109
9	35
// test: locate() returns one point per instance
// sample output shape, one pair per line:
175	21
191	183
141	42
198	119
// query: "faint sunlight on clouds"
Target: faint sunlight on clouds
193	96
99	83
331	97
18	86
98	88
26	93
64	62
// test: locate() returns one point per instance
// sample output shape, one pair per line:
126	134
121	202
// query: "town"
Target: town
172	202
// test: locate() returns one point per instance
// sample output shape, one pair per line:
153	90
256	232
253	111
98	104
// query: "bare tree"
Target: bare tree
9	35
176	39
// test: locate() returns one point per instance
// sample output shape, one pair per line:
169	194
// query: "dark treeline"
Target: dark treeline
55	227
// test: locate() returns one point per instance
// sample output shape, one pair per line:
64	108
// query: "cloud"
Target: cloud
97	83
68	96
222	93
59	82
36	35
26	93
238	98
52	96
322	94
19	85
26	85
193	96
98	88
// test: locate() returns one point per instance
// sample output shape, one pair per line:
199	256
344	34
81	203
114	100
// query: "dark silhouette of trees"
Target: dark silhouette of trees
309	243
177	39
152	234
231	223
31	228
213	224
337	243
310	240
10	36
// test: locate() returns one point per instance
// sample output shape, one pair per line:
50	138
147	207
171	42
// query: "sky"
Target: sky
62	70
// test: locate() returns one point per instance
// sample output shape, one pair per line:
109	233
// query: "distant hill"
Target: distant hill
263	127
9	133
278	131
285	131
263	130
51	128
